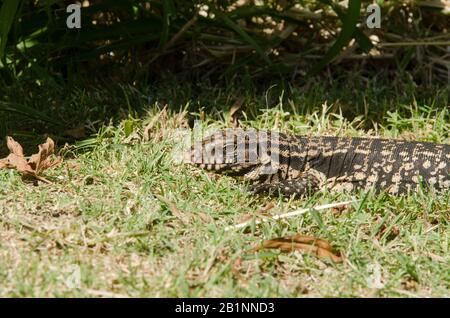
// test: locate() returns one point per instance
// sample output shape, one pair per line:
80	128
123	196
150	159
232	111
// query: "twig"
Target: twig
289	214
185	27
414	43
173	40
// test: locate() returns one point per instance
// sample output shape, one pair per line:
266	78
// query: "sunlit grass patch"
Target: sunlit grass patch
103	214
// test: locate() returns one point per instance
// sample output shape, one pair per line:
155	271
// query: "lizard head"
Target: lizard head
233	151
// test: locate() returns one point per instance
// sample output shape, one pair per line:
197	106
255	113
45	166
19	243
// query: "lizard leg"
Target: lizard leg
298	187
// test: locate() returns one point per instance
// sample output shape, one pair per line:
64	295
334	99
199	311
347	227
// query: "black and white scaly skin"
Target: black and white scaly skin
298	165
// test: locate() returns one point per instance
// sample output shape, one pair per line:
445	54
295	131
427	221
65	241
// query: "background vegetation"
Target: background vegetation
53	78
221	38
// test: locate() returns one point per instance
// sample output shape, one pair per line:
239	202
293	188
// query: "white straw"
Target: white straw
289	214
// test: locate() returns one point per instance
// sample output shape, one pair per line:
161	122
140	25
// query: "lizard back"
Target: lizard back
298	164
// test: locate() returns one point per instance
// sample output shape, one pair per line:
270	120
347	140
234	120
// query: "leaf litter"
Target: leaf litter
33	167
45	159
308	244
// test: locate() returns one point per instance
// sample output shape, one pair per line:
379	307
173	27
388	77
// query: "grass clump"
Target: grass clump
110	213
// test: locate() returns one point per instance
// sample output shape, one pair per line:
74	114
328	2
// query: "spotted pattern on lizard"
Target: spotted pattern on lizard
300	165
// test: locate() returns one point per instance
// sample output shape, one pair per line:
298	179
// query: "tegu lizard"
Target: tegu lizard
299	165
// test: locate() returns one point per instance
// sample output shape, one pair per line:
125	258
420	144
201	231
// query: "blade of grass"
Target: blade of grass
362	39
7	14
244	35
348	28
29	112
168	11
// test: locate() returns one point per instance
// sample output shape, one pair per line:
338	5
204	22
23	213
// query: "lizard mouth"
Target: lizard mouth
233	153
230	167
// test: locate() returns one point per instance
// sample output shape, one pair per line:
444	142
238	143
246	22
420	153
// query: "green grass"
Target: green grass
102	213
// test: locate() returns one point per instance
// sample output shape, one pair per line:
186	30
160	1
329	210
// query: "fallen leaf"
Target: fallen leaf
37	163
13	161
14	147
309	244
43	160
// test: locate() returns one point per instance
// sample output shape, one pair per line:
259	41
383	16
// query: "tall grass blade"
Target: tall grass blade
7	17
349	25
244	35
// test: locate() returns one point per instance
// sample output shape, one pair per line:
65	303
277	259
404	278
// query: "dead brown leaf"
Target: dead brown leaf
319	247
43	160
14	147
33	167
